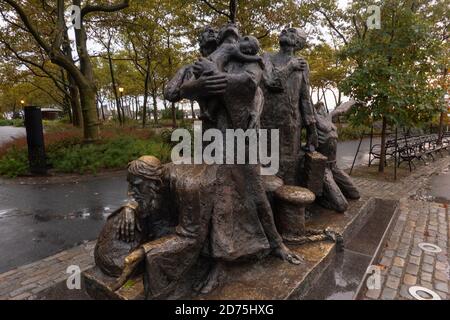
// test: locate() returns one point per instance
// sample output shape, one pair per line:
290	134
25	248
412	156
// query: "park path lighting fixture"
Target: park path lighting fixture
121	90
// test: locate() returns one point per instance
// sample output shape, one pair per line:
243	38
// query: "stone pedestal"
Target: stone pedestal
269	279
314	172
291	202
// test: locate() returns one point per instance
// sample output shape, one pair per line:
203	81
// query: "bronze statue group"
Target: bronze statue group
178	215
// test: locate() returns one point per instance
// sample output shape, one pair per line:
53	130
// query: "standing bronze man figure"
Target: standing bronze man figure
288	104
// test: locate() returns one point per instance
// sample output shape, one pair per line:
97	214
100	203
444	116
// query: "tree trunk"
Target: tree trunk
75	103
441	119
137	108
383	147
174	116
114	87
77	115
91	127
146	85
68	108
103	111
441	128
192	109
155	107
88	91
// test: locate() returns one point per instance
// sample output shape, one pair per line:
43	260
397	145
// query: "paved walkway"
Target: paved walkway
403	264
9	133
39	220
421	219
27	281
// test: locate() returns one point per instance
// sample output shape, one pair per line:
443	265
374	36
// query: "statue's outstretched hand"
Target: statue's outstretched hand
204	65
127	224
131	263
298	65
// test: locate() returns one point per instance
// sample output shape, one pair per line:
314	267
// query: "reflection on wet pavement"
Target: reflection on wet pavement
343	276
39	221
347	150
440	187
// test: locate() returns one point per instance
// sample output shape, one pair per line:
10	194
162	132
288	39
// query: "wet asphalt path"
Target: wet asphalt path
347	150
9	133
37	221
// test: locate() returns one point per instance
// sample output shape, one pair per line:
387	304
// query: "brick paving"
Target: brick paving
27	281
404	263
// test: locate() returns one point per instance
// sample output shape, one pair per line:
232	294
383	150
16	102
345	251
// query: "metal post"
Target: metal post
396	153
371	145
357	152
35	140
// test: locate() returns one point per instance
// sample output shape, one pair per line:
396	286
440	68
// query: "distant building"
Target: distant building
51	113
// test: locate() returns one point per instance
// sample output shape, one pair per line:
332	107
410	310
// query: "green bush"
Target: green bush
11	123
167	114
71	156
14	163
111	154
352	132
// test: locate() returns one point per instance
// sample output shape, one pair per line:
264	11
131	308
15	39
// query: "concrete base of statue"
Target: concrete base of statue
270	278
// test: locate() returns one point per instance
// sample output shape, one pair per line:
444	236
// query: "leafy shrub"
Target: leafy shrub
14	163
353	132
167	114
11	123
110	154
70	155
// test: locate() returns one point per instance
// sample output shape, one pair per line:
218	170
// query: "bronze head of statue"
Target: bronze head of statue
144	178
208	41
249	45
293	37
320	108
229	31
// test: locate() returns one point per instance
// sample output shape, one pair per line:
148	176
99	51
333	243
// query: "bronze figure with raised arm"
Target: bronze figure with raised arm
338	186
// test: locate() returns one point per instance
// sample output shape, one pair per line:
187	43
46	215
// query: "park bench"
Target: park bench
411	147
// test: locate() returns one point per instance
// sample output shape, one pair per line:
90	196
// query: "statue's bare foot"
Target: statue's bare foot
213	280
285	254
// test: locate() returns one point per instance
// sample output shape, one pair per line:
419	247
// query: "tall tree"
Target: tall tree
52	45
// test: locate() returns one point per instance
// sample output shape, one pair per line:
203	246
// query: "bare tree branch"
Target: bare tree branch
104	8
217	10
333	26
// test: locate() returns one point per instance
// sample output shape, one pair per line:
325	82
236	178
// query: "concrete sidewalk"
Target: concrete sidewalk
9	133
